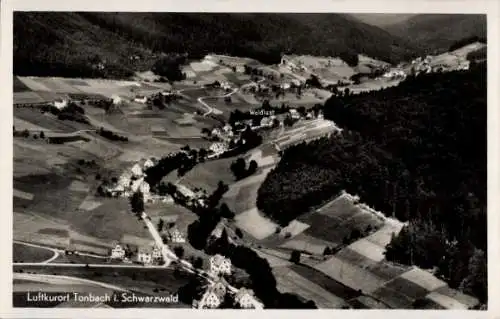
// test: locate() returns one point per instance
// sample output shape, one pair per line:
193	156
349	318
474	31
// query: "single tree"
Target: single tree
137	202
295	256
252	167
179	251
160	224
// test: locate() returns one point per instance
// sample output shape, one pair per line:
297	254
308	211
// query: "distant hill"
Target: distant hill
94	44
437	32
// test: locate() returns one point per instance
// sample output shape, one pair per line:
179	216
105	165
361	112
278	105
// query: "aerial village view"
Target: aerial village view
151	171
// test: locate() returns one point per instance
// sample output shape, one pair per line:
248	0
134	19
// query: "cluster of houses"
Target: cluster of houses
132	181
420	65
215	293
195	198
395	74
147	254
286	62
143	99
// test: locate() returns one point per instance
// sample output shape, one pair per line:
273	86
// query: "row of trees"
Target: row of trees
416	152
164	166
110	135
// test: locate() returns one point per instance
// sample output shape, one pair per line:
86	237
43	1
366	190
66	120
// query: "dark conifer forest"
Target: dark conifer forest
416	152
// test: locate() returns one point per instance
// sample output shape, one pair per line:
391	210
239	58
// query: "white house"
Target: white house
225	85
294	114
186	192
167	93
144	255
266	121
156	252
135	185
227	129
141	99
116	99
244	298
176	236
137	170
219	289
148	163
285	86
210	300
118	252
124	180
219	265
213	296
60	103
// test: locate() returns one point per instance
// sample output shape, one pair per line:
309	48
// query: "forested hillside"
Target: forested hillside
105	44
435	33
416	151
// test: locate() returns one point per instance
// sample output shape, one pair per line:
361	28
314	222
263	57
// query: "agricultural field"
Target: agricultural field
24	253
252	222
290	281
208	174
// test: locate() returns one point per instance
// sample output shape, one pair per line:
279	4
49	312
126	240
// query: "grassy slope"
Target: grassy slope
44	42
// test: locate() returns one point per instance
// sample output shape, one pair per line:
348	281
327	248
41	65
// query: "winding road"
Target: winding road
57	252
214	110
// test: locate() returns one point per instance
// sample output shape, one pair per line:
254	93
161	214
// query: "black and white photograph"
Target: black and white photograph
249	160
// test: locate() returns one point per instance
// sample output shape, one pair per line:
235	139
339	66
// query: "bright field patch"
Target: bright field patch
423	279
23	195
368	249
88	205
383	236
78	186
350	275
33	84
252	222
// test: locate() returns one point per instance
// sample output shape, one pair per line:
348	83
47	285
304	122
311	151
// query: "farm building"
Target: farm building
175	236
266	122
184	191
285	86
294	114
118	252
145	255
141	99
60	103
156	252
